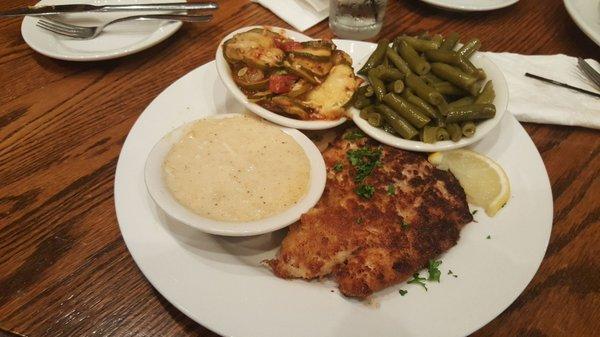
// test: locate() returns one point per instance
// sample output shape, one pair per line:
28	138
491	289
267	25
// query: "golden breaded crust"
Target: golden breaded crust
362	242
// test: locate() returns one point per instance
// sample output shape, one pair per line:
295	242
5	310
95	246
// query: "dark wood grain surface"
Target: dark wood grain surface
64	268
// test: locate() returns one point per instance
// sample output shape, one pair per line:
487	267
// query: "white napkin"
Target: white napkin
300	14
531	100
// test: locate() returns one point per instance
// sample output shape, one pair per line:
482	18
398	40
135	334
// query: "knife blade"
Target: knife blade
76	8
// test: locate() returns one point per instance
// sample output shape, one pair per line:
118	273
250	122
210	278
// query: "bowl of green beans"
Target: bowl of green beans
429	93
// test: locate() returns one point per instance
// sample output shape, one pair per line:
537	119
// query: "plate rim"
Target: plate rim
472	8
583	25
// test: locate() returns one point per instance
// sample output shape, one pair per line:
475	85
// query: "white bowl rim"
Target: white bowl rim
483	128
225	75
153	176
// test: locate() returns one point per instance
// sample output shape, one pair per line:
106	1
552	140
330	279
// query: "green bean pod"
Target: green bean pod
447	88
487	94
421	104
450	41
468	129
362	102
408	111
366	112
369	91
377	84
420	44
438	39
398	61
430	79
375	119
471	112
429	134
396	87
442	134
399	124
414	61
387	73
469	48
387	128
456	77
467	100
421	89
455	131
376	58
455	59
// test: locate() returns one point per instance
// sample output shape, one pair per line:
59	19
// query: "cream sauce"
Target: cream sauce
237	169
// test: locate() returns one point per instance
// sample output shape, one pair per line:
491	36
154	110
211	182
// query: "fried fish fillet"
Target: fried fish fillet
366	244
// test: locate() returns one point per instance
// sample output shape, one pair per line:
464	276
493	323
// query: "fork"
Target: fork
90	32
590	72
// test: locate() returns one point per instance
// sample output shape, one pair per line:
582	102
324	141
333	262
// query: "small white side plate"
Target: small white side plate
586	14
164	199
117	40
471	5
225	74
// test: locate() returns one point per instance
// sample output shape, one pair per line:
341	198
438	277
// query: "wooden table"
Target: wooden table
64	269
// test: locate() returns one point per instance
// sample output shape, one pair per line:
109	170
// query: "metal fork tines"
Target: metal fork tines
590	72
83	32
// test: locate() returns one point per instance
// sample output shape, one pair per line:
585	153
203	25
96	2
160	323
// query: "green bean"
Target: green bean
442	134
450	41
468	129
421	89
369	91
421	104
399	124
447	88
387	73
396	87
469	48
443	108
467	100
398	61
430	79
468	67
420	44
375	119
414	61
487	94
362	102
455	59
429	134
408	111
438	39
385	62
376	58
456	77
387	128
365	112
377	84
455	131
471	112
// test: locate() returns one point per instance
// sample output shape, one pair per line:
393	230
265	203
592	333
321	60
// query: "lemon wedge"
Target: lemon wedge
484	181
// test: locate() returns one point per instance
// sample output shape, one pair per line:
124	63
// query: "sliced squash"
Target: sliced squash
317	68
292	107
329	98
255	47
318	50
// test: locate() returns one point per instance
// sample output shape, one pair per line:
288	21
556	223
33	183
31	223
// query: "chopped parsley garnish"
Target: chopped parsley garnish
365	191
418	280
405	225
402	292
391	189
434	271
451	273
364	161
354	135
338	167
474	212
488	237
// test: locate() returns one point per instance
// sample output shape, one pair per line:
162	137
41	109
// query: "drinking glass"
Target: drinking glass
356	19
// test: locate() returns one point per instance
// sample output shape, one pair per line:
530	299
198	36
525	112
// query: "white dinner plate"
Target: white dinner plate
586	14
220	283
117	40
471	5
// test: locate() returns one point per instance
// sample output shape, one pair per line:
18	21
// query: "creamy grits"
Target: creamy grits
236	169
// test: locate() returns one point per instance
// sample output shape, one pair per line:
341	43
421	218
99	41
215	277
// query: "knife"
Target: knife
75	8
